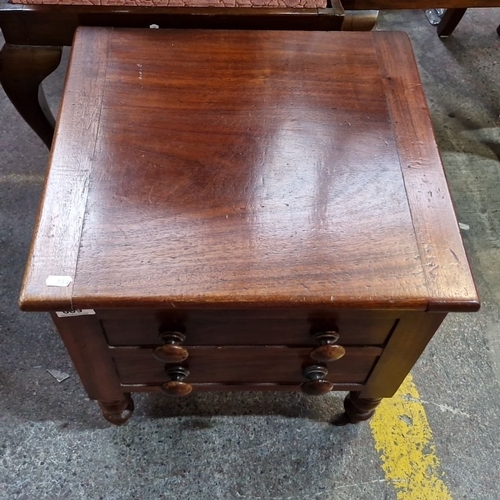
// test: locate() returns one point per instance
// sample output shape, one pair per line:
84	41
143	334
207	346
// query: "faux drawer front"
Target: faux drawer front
243	365
236	327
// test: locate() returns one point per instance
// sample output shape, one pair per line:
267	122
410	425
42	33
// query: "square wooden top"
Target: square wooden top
245	169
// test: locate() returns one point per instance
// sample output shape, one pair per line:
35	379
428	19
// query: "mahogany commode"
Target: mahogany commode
237	210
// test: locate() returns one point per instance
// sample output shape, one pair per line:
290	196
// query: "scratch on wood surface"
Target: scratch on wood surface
455	255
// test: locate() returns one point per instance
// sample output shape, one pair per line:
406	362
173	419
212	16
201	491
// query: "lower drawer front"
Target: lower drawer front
243	365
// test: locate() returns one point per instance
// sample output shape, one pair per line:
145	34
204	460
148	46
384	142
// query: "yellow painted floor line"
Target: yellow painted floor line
404	441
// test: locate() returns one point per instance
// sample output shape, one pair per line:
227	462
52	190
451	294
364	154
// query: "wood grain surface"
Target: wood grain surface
247	327
416	4
89	352
441	249
48	25
239	387
243	169
272	364
407	342
55	248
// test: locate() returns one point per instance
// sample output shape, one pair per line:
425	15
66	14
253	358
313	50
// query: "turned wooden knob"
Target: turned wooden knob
172	336
316	384
176	387
171	352
328	337
327	351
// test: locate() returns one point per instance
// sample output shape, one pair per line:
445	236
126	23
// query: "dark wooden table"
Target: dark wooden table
35	34
238	210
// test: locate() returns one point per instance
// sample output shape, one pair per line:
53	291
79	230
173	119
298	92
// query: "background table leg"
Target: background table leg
449	22
22	70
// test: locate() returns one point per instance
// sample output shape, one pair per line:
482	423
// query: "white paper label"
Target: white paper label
76	312
58	281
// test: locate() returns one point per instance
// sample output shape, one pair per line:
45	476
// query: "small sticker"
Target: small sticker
58	281
465	227
76	312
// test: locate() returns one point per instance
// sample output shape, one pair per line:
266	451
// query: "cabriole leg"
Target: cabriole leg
22	70
450	21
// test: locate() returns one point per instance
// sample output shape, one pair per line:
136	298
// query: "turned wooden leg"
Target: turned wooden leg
85	340
118	412
22	70
358	409
450	21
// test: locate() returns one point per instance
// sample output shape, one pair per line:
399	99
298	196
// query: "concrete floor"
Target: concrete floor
55	445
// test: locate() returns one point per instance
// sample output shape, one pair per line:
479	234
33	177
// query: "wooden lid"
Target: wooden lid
245	168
